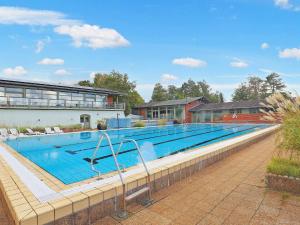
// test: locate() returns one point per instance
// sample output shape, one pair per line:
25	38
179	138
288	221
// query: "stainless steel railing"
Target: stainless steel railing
15	102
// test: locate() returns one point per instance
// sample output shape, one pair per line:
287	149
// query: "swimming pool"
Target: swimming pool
67	156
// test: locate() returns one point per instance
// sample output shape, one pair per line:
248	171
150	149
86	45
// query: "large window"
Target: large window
15	92
253	110
101	98
90	97
50	94
1	91
33	93
65	96
77	97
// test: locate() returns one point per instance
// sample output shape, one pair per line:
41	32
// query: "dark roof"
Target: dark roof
228	105
172	102
59	87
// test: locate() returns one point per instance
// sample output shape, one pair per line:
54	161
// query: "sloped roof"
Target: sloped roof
228	105
172	102
61	87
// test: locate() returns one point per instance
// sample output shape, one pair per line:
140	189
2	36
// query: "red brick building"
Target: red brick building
171	109
200	110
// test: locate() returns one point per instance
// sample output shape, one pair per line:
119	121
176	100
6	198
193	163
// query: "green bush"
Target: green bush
22	129
139	124
284	167
289	136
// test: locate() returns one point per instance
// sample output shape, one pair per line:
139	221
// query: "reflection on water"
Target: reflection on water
147	151
85	135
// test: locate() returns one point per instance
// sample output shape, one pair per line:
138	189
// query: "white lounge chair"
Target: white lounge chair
48	130
31	132
57	130
4	134
15	132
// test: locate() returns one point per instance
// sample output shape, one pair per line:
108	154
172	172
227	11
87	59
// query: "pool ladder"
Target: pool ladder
125	198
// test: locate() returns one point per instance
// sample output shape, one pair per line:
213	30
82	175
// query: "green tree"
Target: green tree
86	83
275	83
159	93
257	88
241	93
118	82
221	98
174	92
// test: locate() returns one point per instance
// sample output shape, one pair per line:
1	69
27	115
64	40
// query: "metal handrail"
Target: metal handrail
6	101
102	136
139	152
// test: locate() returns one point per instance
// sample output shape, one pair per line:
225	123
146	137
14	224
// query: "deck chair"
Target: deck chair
31	132
15	132
48	130
4	133
57	130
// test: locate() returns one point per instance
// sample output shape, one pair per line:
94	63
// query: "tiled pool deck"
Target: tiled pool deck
231	191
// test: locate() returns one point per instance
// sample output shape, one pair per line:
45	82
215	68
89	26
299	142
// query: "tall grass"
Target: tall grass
286	110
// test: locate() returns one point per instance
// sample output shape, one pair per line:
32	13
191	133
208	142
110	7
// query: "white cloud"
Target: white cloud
40	44
87	35
17	71
62	72
239	63
92	36
290	53
189	62
25	16
264	45
53	61
287	4
168	77
284	4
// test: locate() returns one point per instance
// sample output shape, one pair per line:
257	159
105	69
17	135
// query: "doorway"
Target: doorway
85	119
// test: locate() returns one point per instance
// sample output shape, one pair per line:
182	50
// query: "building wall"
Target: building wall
35	118
187	113
110	99
143	112
242	115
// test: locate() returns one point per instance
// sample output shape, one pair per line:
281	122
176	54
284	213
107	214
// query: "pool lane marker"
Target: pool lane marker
207	141
113	133
73	152
158	143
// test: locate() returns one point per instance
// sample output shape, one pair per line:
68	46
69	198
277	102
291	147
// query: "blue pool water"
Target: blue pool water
67	156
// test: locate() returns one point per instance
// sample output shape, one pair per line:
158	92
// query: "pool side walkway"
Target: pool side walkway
230	192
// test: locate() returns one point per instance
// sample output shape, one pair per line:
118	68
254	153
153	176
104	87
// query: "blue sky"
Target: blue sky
221	41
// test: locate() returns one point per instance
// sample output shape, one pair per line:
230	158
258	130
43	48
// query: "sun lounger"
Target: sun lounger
4	134
57	130
15	132
48	130
31	132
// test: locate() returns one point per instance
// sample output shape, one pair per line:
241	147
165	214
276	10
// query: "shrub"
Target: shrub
284	167
286	110
161	122
22	129
139	124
